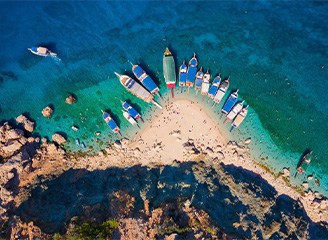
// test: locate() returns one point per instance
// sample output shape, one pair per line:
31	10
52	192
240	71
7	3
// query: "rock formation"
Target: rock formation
58	138
70	99
28	124
47	112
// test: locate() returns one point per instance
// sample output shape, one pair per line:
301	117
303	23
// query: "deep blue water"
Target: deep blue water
275	52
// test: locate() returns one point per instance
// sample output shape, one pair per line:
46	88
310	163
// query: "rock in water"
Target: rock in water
28	125
47	112
58	138
70	99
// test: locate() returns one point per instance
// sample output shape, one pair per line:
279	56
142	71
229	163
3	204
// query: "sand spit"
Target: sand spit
181	132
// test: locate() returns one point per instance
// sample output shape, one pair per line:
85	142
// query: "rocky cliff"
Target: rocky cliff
202	199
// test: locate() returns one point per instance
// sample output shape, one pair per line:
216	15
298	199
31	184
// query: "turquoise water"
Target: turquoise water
275	53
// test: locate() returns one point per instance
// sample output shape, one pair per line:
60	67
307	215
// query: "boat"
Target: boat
230	103
214	87
145	79
192	70
75	128
199	80
128	117
82	145
306	158
240	118
206	84
42	51
233	113
221	92
127	107
136	89
77	142
183	74
169	70
111	123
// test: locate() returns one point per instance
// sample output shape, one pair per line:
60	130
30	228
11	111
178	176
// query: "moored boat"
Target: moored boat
230	102
224	85
240	118
169	70
206	84
306	158
183	74
128	117
192	70
214	87
145	79
127	107
199	80
111	123
42	51
233	113
136	89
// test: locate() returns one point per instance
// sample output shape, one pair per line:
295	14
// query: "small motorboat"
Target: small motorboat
42	51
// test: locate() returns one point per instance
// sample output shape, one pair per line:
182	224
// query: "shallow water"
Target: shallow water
275	53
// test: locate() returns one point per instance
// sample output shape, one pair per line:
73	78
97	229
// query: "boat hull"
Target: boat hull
169	69
135	88
145	79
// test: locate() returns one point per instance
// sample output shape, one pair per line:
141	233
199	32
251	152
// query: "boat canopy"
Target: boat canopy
138	71
112	124
169	69
230	103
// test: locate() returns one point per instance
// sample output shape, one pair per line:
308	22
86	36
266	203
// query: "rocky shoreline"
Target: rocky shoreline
202	177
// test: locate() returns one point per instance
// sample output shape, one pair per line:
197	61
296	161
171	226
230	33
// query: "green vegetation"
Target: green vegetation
90	231
173	229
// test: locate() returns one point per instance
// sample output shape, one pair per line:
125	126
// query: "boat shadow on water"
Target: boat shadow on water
93	194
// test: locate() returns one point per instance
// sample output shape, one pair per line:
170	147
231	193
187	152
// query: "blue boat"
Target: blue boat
145	79
230	102
199	80
183	74
192	70
133	113
111	123
214	87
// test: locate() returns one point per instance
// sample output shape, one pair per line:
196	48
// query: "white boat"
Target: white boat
235	110
206	84
240	118
136	89
221	92
129	118
42	51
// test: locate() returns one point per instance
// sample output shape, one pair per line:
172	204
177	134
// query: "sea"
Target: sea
275	52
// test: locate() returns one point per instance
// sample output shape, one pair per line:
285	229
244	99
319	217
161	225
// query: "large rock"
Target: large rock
14	134
47	112
70	99
58	138
12	146
28	125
